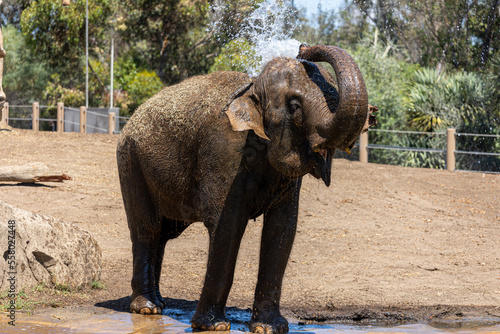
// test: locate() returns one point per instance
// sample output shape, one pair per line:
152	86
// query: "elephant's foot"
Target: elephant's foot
144	305
160	299
213	320
268	323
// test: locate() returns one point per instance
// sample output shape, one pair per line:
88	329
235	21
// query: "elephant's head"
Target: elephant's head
296	105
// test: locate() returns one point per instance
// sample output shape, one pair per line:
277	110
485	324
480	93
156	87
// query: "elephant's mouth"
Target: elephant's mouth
323	164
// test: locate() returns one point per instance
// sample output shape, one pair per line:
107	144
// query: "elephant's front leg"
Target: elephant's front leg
225	238
278	233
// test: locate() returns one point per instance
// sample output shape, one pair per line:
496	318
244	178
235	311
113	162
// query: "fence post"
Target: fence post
111	123
5	113
35	117
363	150
83	120
60	117
450	149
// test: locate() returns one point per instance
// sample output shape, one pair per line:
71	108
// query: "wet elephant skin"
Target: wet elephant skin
221	149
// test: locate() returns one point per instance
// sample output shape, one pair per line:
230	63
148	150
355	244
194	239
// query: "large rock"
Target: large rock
46	250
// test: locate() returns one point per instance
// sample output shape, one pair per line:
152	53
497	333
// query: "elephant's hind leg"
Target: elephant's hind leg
170	229
144	221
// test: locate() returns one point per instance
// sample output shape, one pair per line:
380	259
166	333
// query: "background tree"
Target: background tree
25	75
460	33
56	33
11	10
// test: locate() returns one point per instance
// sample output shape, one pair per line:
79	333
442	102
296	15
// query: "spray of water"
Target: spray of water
267	31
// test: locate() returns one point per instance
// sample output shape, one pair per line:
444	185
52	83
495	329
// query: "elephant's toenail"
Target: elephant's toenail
145	310
222	327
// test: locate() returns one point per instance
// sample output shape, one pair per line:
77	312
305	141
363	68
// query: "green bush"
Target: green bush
237	55
144	85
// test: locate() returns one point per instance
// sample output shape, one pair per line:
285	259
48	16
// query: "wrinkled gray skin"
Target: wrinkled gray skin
223	149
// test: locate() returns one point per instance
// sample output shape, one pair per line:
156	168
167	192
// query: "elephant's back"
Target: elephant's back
185	107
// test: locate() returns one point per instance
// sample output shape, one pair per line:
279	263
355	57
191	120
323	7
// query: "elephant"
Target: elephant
224	148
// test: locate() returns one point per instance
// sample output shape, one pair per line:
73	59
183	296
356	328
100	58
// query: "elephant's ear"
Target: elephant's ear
244	114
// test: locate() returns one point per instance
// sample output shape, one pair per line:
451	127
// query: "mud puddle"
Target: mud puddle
177	321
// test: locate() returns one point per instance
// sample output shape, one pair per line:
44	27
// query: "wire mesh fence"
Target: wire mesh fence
20	116
47	118
71	119
478	152
97	121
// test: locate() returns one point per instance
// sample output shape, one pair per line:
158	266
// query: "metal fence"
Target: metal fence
63	119
450	151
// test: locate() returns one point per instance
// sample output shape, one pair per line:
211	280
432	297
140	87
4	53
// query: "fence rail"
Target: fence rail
401	148
478	153
477	135
410	132
20	119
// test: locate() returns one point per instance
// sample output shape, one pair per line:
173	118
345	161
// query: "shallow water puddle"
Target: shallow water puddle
120	322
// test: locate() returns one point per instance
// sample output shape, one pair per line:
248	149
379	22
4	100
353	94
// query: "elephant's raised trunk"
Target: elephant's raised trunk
343	125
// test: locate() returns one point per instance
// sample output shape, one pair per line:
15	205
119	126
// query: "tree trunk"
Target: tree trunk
489	32
32	172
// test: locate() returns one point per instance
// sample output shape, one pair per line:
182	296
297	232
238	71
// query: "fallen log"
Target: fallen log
32	172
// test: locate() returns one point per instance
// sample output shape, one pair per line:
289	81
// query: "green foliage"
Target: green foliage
62	287
385	78
459	100
174	30
422	159
10	11
56	33
438	31
144	85
54	92
25	76
97	285
237	55
437	101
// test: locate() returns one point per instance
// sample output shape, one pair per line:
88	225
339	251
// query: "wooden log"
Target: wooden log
32	172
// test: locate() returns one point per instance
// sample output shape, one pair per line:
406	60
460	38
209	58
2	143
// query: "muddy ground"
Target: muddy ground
381	243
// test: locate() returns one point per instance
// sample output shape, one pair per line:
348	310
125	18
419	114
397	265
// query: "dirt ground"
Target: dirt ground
381	243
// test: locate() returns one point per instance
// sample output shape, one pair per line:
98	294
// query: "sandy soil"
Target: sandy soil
381	243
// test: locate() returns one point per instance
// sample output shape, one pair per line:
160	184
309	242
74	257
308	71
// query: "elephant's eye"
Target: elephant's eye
293	106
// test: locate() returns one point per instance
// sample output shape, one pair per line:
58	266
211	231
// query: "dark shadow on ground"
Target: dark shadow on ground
118	305
26	184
